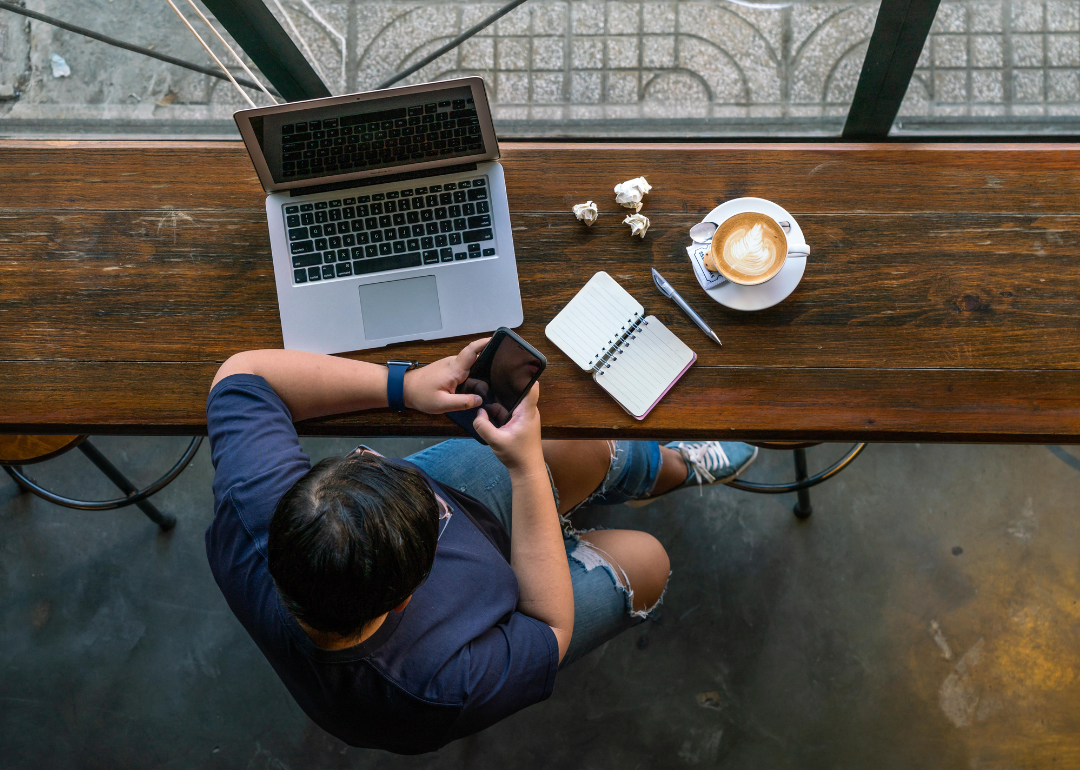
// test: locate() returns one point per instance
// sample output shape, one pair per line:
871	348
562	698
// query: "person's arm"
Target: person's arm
537	553
316	385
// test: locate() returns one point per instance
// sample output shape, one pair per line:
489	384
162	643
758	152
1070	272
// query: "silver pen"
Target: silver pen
667	291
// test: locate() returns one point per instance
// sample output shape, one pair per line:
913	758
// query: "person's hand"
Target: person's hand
431	389
516	444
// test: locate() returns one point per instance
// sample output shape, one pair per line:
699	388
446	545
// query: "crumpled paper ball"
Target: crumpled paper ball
639	224
586	212
630	193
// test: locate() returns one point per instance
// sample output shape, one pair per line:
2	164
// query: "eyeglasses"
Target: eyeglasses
445	514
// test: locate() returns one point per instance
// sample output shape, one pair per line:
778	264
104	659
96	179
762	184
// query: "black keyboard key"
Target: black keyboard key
477	194
334	203
300	276
366	198
483	220
431	257
348	240
399	247
335	215
321	217
399	219
301	247
342	255
440	240
460	224
482	207
460	255
427	242
329	257
298	234
489	252
446	226
455	239
385	249
371	251
327	271
307	207
307	260
396	262
385	220
431	228
420	191
321	244
474	236
334	242
474	247
314	273
293	220
320	205
292	209
317	231
479	182
427	215
417	231
344	269
406	193
307	219
362	238
376	236
446	255
469	209
441	213
459	196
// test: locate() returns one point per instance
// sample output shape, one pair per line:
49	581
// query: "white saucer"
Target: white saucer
778	288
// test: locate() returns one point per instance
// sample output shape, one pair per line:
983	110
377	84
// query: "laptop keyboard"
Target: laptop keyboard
390	230
378	139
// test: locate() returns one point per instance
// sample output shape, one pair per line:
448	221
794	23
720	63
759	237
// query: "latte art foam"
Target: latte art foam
748	248
750	254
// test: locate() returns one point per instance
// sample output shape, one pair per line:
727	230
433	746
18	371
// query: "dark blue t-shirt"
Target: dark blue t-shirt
457	659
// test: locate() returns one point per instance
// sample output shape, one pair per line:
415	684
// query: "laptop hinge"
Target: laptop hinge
353	183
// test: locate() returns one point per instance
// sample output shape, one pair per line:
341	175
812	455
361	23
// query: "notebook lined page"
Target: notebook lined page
646	368
593	320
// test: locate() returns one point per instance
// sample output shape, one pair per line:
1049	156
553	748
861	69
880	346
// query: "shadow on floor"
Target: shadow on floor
926	616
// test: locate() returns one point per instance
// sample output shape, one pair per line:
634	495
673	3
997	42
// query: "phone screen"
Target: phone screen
502	375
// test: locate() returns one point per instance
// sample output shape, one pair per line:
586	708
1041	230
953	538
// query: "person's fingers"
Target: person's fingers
483	426
532	397
453	402
468	355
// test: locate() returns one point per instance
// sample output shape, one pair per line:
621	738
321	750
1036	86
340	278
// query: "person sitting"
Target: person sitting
406	603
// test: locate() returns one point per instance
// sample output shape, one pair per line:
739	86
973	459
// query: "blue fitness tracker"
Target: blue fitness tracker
395	383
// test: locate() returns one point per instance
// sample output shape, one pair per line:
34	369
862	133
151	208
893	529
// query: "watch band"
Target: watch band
395	383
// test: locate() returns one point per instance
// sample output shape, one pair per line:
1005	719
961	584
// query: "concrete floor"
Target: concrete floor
926	616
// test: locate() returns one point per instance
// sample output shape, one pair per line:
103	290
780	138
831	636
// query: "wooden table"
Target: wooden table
940	302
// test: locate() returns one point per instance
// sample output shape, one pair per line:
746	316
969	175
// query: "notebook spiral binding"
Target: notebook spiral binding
605	360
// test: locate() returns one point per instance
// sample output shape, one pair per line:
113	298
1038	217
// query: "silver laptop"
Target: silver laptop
388	216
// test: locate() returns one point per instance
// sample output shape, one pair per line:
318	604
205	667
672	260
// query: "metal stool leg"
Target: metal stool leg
802	508
15	476
164	520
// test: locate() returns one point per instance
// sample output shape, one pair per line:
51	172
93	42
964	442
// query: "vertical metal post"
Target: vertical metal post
898	39
802	509
275	54
164	520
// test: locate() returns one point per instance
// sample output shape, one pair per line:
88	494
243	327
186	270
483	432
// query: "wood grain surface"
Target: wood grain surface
939	303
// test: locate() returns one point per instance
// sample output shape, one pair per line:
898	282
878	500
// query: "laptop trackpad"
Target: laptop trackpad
398	308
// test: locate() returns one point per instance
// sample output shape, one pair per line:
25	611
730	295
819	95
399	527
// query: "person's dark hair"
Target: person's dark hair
351	540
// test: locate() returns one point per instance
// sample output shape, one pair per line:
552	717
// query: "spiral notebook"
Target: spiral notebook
634	358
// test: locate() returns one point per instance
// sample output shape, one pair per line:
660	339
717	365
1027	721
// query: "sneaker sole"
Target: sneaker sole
735	475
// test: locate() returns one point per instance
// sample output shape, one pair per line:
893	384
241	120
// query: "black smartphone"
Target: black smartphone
503	373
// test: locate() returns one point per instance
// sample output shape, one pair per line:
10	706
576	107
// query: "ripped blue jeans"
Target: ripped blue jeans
602	594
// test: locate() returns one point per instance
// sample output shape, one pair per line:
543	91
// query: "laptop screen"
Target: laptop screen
368	135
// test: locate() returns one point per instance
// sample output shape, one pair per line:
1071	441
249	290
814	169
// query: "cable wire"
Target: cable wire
452	44
122	44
